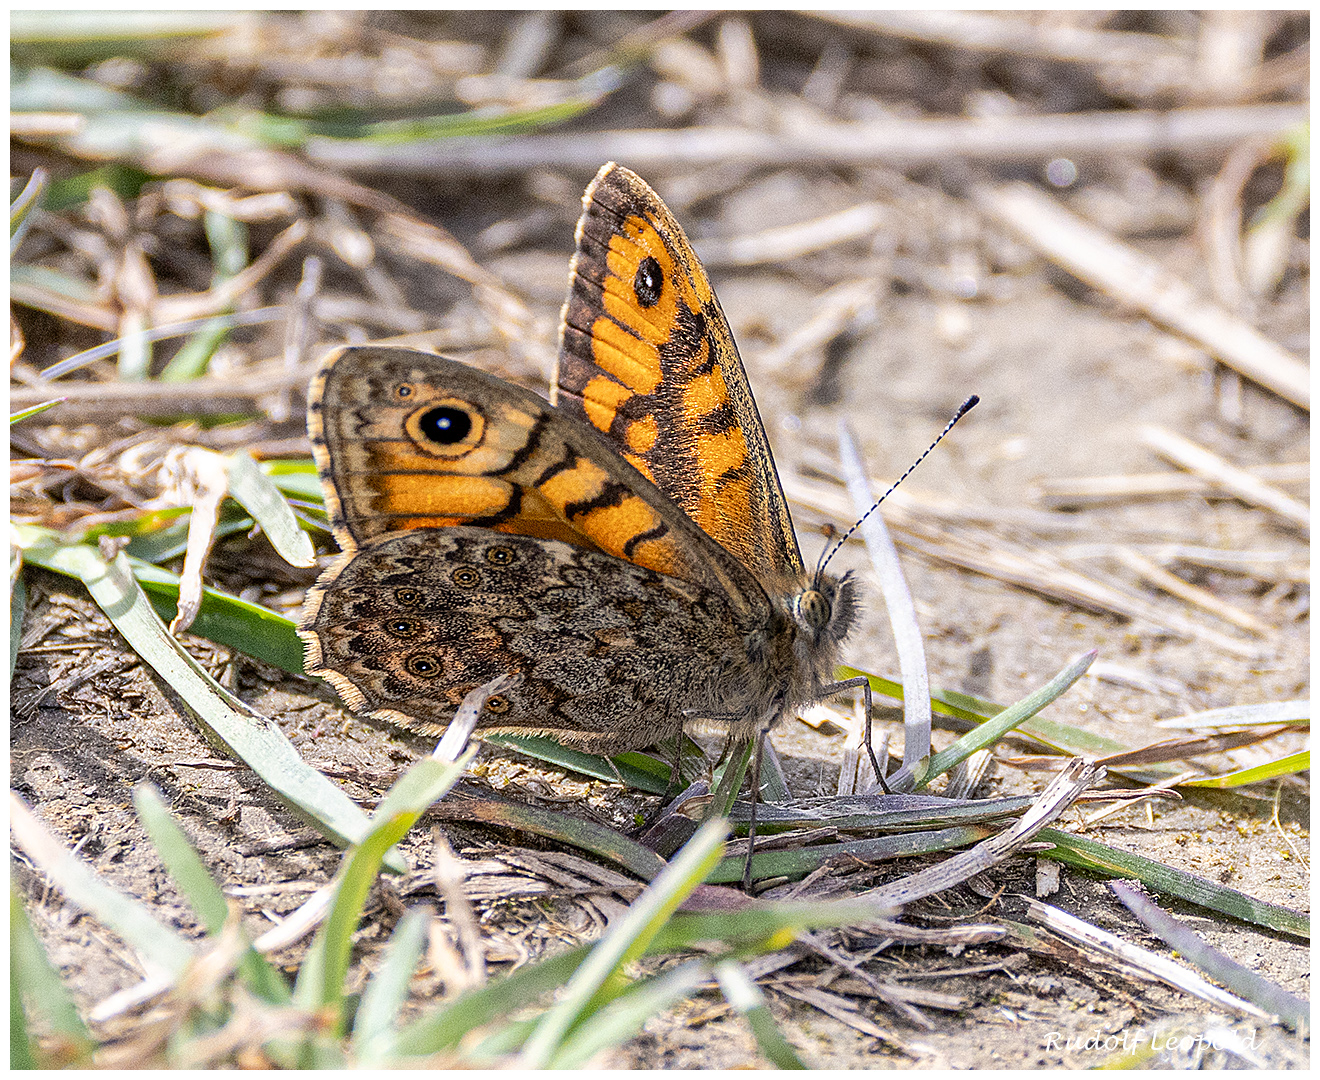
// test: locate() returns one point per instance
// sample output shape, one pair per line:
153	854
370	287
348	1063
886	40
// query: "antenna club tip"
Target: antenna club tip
968	405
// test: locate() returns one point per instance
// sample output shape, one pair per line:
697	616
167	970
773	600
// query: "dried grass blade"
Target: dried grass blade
1236	716
1111	947
1075	778
902	618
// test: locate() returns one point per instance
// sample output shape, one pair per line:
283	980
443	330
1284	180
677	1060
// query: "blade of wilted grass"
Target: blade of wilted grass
595	981
20	210
258	495
902	619
252	738
885	813
1193	948
598	839
1102	859
797	863
1075	778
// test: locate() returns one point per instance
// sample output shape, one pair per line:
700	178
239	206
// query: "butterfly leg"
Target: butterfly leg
865	684
751	824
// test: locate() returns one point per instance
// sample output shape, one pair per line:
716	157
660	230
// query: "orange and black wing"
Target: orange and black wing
647	358
406	440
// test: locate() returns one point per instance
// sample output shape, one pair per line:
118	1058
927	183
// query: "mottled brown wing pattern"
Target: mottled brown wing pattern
647	358
612	655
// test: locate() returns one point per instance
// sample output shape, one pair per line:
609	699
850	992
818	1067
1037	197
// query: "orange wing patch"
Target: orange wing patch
422	442
646	357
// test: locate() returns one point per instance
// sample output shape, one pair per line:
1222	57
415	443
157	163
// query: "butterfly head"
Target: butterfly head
825	609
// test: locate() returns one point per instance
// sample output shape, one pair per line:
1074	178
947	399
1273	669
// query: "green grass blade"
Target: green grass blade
1064	738
321	984
548	750
994	729
1102	859
591	985
227	620
35	983
250	737
180	859
761	926
23	414
623	1017
200	890
444	1028
1285	766
255	492
17	609
383	997
746	997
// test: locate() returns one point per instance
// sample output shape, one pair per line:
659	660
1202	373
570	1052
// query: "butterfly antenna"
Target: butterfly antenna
963	410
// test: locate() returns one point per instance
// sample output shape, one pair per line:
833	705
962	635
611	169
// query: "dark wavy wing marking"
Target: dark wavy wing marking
641	393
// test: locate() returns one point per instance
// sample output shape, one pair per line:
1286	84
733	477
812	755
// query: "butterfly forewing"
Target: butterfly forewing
647	358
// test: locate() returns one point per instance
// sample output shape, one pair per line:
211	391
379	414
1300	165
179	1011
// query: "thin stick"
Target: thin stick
1122	272
1174	585
1241	483
1075	490
894	141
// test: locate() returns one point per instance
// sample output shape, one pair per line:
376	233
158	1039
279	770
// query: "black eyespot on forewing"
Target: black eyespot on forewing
446	425
649	284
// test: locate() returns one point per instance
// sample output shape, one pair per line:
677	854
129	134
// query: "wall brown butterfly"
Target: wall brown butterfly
629	552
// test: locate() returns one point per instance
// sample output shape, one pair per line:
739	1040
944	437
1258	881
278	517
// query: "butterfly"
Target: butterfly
627	551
